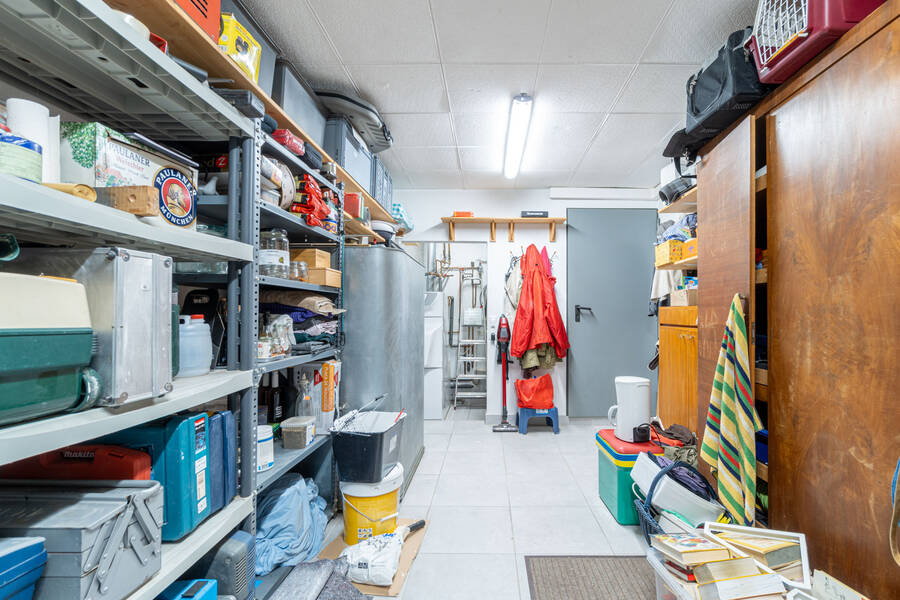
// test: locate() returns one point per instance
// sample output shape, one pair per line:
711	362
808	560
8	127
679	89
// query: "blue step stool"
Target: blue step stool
524	414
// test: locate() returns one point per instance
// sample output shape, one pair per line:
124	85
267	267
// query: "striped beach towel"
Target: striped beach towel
729	441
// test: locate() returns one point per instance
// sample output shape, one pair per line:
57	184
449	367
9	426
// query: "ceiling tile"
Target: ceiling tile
542	179
481	180
600	31
480	129
644	175
557	141
626	140
447	180
327	77
505	31
293	26
401	88
694	29
428	159
400	180
655	88
420	129
578	88
383	32
391	160
487	88
488	158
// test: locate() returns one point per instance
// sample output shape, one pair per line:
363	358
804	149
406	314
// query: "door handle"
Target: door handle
578	309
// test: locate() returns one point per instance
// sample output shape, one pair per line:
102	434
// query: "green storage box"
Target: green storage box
615	458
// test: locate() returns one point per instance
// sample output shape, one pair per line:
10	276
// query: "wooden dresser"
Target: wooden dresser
678	366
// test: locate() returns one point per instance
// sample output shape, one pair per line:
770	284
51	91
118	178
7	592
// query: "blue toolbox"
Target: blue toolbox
193	589
222	460
22	561
179	451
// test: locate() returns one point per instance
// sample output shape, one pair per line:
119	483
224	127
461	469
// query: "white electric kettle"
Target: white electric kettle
633	408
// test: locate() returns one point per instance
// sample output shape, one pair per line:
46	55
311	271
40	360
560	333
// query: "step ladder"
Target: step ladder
471	353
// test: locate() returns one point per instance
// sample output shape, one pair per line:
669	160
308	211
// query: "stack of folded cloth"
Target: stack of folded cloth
315	317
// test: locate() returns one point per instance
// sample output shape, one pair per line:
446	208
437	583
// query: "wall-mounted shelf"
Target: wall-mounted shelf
511	223
687	203
685	264
189	42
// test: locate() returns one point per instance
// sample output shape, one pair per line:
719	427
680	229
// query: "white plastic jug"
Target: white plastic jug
194	346
633	408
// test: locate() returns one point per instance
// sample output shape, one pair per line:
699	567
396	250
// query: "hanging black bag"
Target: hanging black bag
724	89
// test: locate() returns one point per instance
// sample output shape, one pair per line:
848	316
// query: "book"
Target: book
725	569
792	571
683	573
738	588
688	550
771	552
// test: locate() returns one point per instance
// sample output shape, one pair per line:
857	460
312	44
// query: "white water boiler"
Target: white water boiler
633	408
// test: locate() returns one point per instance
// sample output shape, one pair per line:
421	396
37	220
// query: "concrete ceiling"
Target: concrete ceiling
607	77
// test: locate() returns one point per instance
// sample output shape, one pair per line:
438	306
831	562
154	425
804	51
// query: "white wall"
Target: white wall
426	207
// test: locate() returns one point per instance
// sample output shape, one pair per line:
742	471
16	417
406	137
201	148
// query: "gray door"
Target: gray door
610	266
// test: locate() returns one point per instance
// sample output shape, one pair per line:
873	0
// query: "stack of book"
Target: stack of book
709	571
782	556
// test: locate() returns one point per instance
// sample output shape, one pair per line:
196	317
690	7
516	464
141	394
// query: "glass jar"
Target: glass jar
274	253
299	270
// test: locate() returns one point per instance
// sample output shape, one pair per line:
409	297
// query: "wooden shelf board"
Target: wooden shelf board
355	227
761	393
762	275
762	471
510	222
189	42
762	377
762	182
685	264
686	204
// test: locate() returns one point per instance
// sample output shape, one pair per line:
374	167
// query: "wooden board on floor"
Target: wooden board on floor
407	556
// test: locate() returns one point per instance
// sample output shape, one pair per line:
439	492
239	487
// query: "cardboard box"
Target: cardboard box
329	277
314	259
668	252
407	556
683	298
689	248
331	375
141	200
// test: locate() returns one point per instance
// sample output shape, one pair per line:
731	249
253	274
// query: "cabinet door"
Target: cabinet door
678	376
726	222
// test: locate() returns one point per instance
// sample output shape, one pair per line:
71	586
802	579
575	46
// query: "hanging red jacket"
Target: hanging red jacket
538	320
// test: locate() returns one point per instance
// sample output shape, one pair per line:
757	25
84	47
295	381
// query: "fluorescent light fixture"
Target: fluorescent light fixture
516	134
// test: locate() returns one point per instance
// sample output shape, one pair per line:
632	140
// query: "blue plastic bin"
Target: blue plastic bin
193	589
22	561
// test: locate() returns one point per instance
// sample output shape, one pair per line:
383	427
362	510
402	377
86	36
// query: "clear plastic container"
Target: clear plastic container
274	253
299	270
194	346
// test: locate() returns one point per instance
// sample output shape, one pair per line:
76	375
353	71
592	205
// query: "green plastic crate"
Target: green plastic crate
40	371
615	459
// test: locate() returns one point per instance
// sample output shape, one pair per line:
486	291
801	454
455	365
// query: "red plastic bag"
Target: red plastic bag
536	392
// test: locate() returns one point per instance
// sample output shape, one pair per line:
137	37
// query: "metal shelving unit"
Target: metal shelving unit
220	279
285	460
294	361
216	208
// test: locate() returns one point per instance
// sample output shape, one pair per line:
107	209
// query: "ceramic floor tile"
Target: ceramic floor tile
477	414
471	490
421	490
624	539
437	441
468	530
535	490
474	463
462	577
435	426
413	511
431	463
460	413
474	442
471	426
574	443
536	441
533	461
558	530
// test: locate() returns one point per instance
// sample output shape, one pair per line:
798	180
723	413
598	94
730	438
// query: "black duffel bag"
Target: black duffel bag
724	89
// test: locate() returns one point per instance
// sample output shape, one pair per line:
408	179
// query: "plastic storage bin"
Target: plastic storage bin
367	447
671	495
615	459
667	585
382	187
102	537
292	93
194	346
179	451
22	561
45	346
193	589
86	461
298	432
349	150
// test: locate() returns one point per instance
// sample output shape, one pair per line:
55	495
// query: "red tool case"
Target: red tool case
206	13
88	461
788	34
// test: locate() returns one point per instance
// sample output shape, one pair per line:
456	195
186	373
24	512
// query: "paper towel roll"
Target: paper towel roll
31	121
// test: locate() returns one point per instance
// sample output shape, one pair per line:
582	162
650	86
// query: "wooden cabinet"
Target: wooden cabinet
677	391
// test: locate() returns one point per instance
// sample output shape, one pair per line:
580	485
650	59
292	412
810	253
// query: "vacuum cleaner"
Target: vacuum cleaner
503	337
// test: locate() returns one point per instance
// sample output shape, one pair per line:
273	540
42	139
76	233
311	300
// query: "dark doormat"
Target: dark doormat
590	578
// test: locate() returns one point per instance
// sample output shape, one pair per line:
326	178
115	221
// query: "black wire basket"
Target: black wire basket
649	524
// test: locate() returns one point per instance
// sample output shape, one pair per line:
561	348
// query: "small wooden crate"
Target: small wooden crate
329	277
314	259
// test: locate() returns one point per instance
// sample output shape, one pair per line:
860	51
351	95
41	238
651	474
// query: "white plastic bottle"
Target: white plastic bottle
194	346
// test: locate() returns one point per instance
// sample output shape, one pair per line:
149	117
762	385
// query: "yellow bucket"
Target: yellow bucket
371	508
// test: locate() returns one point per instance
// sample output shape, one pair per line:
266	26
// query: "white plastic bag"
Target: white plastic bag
375	559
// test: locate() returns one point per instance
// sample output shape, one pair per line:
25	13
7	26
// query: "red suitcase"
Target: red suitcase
88	462
788	34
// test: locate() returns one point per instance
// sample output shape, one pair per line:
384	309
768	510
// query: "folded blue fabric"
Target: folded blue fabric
290	526
296	313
